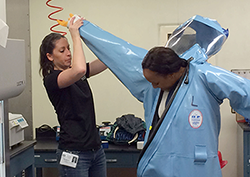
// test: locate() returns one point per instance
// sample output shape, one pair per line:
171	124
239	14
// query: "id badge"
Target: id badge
69	159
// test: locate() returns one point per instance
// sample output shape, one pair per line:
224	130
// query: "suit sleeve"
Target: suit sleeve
224	84
121	57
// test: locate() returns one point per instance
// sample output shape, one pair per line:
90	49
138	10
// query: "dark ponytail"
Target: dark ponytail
47	46
163	61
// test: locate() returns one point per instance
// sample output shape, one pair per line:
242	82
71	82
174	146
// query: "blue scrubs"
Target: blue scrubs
186	142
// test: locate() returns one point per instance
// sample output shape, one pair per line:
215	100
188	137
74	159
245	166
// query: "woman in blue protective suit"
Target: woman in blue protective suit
163	68
182	136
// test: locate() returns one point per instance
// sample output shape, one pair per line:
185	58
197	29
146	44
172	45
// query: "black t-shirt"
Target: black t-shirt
74	107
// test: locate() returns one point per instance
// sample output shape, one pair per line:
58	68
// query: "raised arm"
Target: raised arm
224	84
121	57
78	65
95	67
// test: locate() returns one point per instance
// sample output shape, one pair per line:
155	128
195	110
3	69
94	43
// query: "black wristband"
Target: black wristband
87	70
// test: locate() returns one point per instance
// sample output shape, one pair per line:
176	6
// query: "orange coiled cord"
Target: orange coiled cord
49	16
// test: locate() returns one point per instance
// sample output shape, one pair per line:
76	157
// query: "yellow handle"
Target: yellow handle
64	23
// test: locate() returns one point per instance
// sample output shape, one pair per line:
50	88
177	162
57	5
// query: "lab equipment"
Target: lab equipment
104	129
17	124
12	83
57	133
54	19
12	69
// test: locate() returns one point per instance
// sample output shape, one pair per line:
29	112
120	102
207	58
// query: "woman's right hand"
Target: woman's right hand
74	26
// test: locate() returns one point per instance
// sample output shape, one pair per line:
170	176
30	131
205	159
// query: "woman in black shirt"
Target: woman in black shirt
65	79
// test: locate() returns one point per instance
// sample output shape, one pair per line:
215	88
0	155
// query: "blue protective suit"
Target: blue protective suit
186	140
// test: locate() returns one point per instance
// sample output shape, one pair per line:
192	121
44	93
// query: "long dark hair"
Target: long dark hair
163	60
47	46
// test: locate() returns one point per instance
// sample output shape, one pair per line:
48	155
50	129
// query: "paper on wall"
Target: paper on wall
4	31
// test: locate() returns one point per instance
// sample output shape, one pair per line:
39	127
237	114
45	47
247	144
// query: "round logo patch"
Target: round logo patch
195	118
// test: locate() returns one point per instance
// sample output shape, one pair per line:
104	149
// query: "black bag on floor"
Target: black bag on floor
127	129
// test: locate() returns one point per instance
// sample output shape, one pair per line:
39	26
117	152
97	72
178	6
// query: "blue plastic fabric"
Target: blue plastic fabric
200	154
186	143
120	56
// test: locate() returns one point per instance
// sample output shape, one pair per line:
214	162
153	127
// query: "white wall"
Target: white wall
3	10
138	23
